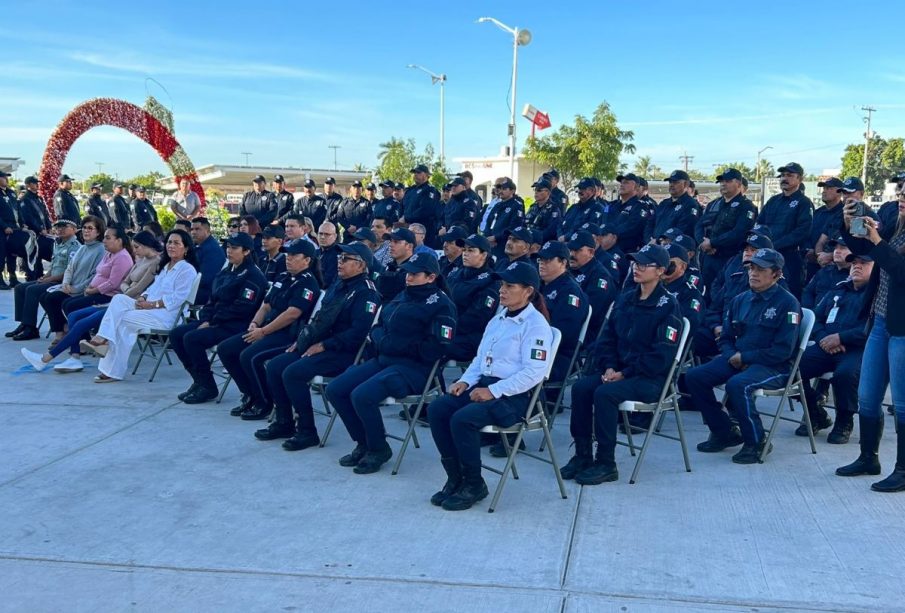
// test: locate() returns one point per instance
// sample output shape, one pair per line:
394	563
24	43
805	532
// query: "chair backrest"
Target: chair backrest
804	334
584	327
533	404
317	305
606	320
573	361
557	337
193	292
364	343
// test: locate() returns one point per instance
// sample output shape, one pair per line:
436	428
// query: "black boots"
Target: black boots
868	463
472	489
453	480
718	442
373	460
274	431
583	458
352	459
245	404
842	429
896	481
819	421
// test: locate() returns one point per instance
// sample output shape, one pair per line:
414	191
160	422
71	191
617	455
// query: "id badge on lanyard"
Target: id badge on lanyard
831	316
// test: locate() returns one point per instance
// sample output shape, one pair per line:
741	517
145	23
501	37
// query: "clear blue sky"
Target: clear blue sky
285	80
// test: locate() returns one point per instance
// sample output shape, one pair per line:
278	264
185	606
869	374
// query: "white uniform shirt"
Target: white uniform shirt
517	350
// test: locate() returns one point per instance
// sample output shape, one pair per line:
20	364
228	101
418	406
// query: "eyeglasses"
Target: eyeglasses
233	225
639	265
349	258
89	228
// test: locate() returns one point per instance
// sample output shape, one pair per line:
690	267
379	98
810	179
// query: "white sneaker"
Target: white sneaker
69	365
34	358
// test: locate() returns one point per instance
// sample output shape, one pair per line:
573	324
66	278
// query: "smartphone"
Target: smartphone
859	210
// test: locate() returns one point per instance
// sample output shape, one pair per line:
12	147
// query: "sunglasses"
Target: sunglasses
233	225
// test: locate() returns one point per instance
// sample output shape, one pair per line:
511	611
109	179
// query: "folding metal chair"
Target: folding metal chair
793	386
319	384
572	373
535	419
161	336
668	401
433	389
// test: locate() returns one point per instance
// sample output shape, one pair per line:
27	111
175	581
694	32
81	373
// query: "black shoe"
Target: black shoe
201	395
583	458
187	392
453	481
597	473
29	333
422	419
15	331
893	483
842	429
817	424
274	431
471	490
373	460
750	454
499	451
868	462
301	441
244	405
352	459
256	412
3	285
13	282
718	442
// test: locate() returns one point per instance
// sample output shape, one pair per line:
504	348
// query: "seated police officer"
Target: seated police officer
639	342
839	338
829	275
330	251
758	340
273	264
495	388
236	293
326	346
414	331
288	303
691	302
592	277
517	247
476	293
608	251
453	247
393	280
686	241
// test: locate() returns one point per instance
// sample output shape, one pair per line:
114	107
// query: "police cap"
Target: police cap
273	232
242	240
421	262
301	247
729	174
359	250
793	167
522	273
521	233
403	234
651	254
553	249
479	242
767	258
580	239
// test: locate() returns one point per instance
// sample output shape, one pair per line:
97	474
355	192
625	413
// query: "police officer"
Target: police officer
330	251
639	342
236	294
633	213
413	332
475	196
644	194
64	203
33	216
545	214
285	200
789	215
273	264
506	215
687	242
586	210
595	280
827	225
288	303
559	197
97	206
724	224
371	194
122	214
392	281
369	238
888	212
511	360
829	275
516	249
326	346
608	252
259	203
461	210
421	204
399	194
142	209
12	238
311	205
388	207
476	293
839	337
453	247
679	211
690	299
758	340
354	212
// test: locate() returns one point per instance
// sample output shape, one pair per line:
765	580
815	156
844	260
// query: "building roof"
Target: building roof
10	164
226	176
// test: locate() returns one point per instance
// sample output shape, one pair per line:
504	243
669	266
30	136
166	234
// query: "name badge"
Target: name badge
831	316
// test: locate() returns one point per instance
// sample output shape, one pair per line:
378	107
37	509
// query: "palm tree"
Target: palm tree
645	168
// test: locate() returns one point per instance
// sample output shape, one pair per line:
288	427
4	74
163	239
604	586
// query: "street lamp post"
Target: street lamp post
519	38
441	79
760	178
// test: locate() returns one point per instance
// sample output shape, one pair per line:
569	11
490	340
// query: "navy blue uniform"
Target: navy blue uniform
389	209
609	210
245	362
615	261
313	207
448	268
888	214
99	208
640	341
289	374
682	213
332	202
789	219
726	224
144	212
210	262
559	198
504	262
285	202
476	295
11	245
630	223
421	204
65	206
33	216
414	331
546	218
461	210
826	221
353	212
568	307
691	302
329	263
506	215
601	289
763	327
826	279
122	214
390	281
263	206
273	267
580	213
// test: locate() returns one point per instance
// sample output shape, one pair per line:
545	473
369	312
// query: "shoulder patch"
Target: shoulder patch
672	335
664	300
370	307
574	300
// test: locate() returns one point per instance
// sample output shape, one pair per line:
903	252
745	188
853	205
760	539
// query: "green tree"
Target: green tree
743	168
885	158
697	175
588	147
103	178
764	169
647	169
147	181
396	159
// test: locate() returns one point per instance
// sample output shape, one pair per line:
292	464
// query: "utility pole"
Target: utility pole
685	159
334	147
869	110
246	154
100	166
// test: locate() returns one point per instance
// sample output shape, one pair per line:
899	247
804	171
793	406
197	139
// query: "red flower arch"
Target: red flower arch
120	114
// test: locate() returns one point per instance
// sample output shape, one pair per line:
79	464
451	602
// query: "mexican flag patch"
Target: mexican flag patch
446	332
696	304
672	335
248	293
793	318
488	302
538	354
308	295
574	300
601	283
370	307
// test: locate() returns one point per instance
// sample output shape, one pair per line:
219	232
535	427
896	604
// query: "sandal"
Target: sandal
102	378
100	350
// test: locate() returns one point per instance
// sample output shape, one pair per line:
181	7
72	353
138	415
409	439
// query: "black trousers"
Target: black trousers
245	362
27	297
846	369
191	344
12	246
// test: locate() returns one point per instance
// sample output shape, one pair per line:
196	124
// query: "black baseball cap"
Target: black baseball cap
399	186
65	178
553	173
456	234
278	179
403	234
541	184
685	241
479	242
537	237
301	247
852	185
466	174
421	262
310	183
31	180
274	232
607	228
677	251
831	182
370	187
357	183
457	181
553	249
768	258
97	186
365	234
586	182
132	186
651	254
834	242
642	182
678	175
629	176
791	167
360	250
729	174
421	168
758	240
4	174
447	187
140	188
259	179
242	240
387	183
522	273
580	239
851	257
329	181
522	233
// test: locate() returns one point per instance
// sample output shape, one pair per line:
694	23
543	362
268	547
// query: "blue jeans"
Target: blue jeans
883	354
80	323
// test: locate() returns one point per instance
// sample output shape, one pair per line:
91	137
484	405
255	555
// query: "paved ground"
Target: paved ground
117	497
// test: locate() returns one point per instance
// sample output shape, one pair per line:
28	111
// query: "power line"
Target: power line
686	159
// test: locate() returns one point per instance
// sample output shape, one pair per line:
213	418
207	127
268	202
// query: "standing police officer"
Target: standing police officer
827	225
259	203
33	216
143	209
586	210
633	213
558	196
354	212
12	238
122	214
461	210
333	200
97	206
311	205
388	207
678	211
64	203
546	213
506	215
285	201
421	204
789	215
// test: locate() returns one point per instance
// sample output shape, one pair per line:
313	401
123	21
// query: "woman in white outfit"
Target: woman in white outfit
158	307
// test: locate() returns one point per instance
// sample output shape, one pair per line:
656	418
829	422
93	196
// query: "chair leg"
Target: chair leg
226	383
510	466
141	354
776	420
647	437
164	351
628	433
549	440
410	434
681	427
551	416
328	429
807	416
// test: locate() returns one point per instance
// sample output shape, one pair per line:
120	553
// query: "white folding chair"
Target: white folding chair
668	402
535	419
793	386
150	336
